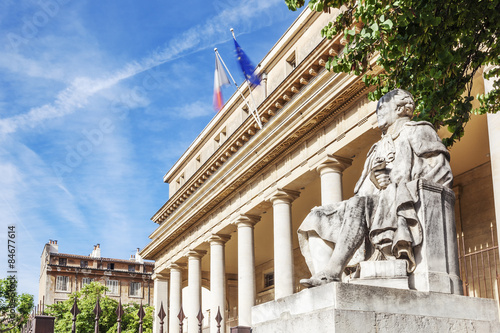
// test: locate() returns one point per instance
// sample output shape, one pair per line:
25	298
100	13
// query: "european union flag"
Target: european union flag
246	65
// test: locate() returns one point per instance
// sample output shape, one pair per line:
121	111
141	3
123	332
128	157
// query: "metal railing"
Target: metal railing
30	326
479	269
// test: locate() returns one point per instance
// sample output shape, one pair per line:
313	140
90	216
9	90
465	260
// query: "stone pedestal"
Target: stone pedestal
343	307
437	256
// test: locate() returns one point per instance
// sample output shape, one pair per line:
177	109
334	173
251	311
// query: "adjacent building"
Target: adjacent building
239	192
63	273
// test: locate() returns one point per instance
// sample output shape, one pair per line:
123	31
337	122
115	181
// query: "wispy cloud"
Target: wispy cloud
192	110
77	94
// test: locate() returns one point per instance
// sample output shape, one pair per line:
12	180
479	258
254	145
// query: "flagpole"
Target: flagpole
255	115
250	88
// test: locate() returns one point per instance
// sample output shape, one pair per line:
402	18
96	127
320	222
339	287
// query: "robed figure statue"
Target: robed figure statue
380	221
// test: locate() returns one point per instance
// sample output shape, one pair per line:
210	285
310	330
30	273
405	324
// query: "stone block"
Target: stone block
343	307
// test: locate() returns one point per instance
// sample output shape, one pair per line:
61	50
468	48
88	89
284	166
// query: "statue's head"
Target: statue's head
397	103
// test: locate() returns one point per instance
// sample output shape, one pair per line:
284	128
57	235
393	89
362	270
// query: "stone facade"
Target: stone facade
239	193
62	273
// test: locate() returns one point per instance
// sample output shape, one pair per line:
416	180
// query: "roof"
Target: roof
76	256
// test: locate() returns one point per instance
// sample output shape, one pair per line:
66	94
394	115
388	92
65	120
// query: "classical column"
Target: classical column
193	303
283	249
494	137
160	296
246	268
331	178
217	281
175	296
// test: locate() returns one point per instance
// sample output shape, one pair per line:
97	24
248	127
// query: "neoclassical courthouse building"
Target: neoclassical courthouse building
238	194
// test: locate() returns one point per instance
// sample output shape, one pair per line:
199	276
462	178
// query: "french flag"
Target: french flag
220	79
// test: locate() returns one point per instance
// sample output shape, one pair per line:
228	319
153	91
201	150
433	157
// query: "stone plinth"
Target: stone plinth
386	273
343	307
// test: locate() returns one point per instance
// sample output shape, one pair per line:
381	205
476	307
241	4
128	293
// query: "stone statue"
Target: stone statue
380	222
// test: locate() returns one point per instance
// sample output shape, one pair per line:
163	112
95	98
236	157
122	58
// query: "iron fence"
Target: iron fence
479	269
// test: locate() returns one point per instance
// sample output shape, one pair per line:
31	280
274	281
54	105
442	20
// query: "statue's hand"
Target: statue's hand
382	178
379	174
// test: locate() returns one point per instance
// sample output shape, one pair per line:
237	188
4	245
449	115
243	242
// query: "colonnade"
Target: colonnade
330	171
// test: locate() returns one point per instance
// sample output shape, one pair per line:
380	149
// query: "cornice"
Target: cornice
310	67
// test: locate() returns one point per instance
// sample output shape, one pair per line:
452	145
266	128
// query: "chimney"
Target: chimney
96	252
53	247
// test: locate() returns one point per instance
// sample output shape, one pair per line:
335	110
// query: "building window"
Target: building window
111	265
84	263
62	283
131	268
86	281
63	261
135	289
113	286
268	279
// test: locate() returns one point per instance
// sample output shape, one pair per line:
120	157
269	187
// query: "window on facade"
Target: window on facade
62	283
111	265
84	263
131	268
135	289
63	261
113	287
86	281
269	279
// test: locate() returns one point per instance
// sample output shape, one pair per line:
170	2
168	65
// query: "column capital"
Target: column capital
218	239
160	276
246	220
176	266
283	195
333	163
195	254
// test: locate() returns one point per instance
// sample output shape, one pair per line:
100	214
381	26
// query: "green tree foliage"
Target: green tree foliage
85	321
14	308
432	48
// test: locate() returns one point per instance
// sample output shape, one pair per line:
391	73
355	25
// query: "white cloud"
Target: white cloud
192	110
77	94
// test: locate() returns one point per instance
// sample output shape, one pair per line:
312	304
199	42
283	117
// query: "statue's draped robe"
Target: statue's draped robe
415	153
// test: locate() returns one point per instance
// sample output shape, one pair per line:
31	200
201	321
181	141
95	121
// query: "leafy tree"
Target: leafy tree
130	319
432	48
85	321
14	308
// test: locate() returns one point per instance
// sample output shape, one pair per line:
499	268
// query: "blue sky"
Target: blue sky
97	101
